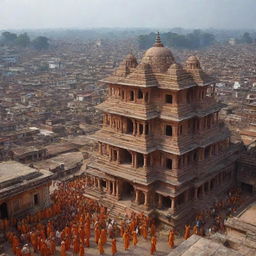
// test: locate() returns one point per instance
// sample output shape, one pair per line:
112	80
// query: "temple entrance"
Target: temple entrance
166	202
127	191
3	211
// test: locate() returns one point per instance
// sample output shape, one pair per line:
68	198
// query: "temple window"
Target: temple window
129	126
140	160
140	129
168	130
168	98
207	151
122	94
36	199
168	163
131	95
140	94
114	155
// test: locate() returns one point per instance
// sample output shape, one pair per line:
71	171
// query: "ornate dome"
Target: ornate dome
192	62
159	57
131	61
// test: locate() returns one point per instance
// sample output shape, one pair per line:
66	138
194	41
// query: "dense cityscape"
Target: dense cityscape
128	142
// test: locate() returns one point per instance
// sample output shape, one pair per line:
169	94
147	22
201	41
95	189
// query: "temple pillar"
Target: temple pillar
118	194
173	204
113	188
146	198
134	127
108	186
137	196
118	156
100	148
135	160
160	201
145	163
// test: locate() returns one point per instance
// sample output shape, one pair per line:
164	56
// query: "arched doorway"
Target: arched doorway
127	191
3	211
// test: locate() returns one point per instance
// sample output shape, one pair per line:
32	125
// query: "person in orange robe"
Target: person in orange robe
134	238
113	247
87	242
44	249
153	229
187	232
153	245
18	251
171	239
100	246
81	250
67	243
97	234
53	246
126	238
103	236
63	249
195	230
145	231
76	245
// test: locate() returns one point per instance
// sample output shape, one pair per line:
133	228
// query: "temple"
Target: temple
162	148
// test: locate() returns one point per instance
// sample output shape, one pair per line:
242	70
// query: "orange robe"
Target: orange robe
171	239
63	249
126	240
134	238
103	236
153	245
76	245
100	246
113	248
195	230
81	250
97	234
187	232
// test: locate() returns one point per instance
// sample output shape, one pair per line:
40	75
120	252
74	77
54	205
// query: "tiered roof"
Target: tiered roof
159	69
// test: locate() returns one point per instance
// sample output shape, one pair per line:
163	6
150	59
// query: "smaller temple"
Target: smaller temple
23	189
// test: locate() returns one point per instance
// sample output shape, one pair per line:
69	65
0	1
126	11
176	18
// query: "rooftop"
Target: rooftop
197	245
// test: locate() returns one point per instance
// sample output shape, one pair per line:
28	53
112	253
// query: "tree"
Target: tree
246	38
41	43
8	37
23	40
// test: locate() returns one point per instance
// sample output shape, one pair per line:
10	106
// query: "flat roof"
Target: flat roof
12	169
16	178
197	245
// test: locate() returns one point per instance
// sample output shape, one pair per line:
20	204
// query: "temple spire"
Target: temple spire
158	42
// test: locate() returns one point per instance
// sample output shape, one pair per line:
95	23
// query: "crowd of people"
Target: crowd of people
74	222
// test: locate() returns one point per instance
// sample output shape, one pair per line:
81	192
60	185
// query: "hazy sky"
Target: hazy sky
235	14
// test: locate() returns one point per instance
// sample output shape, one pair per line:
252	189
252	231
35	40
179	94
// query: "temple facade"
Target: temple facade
162	148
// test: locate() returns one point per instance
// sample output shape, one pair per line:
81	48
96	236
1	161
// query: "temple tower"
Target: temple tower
162	148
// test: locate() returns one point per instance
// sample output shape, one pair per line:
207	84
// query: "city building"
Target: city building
23	190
